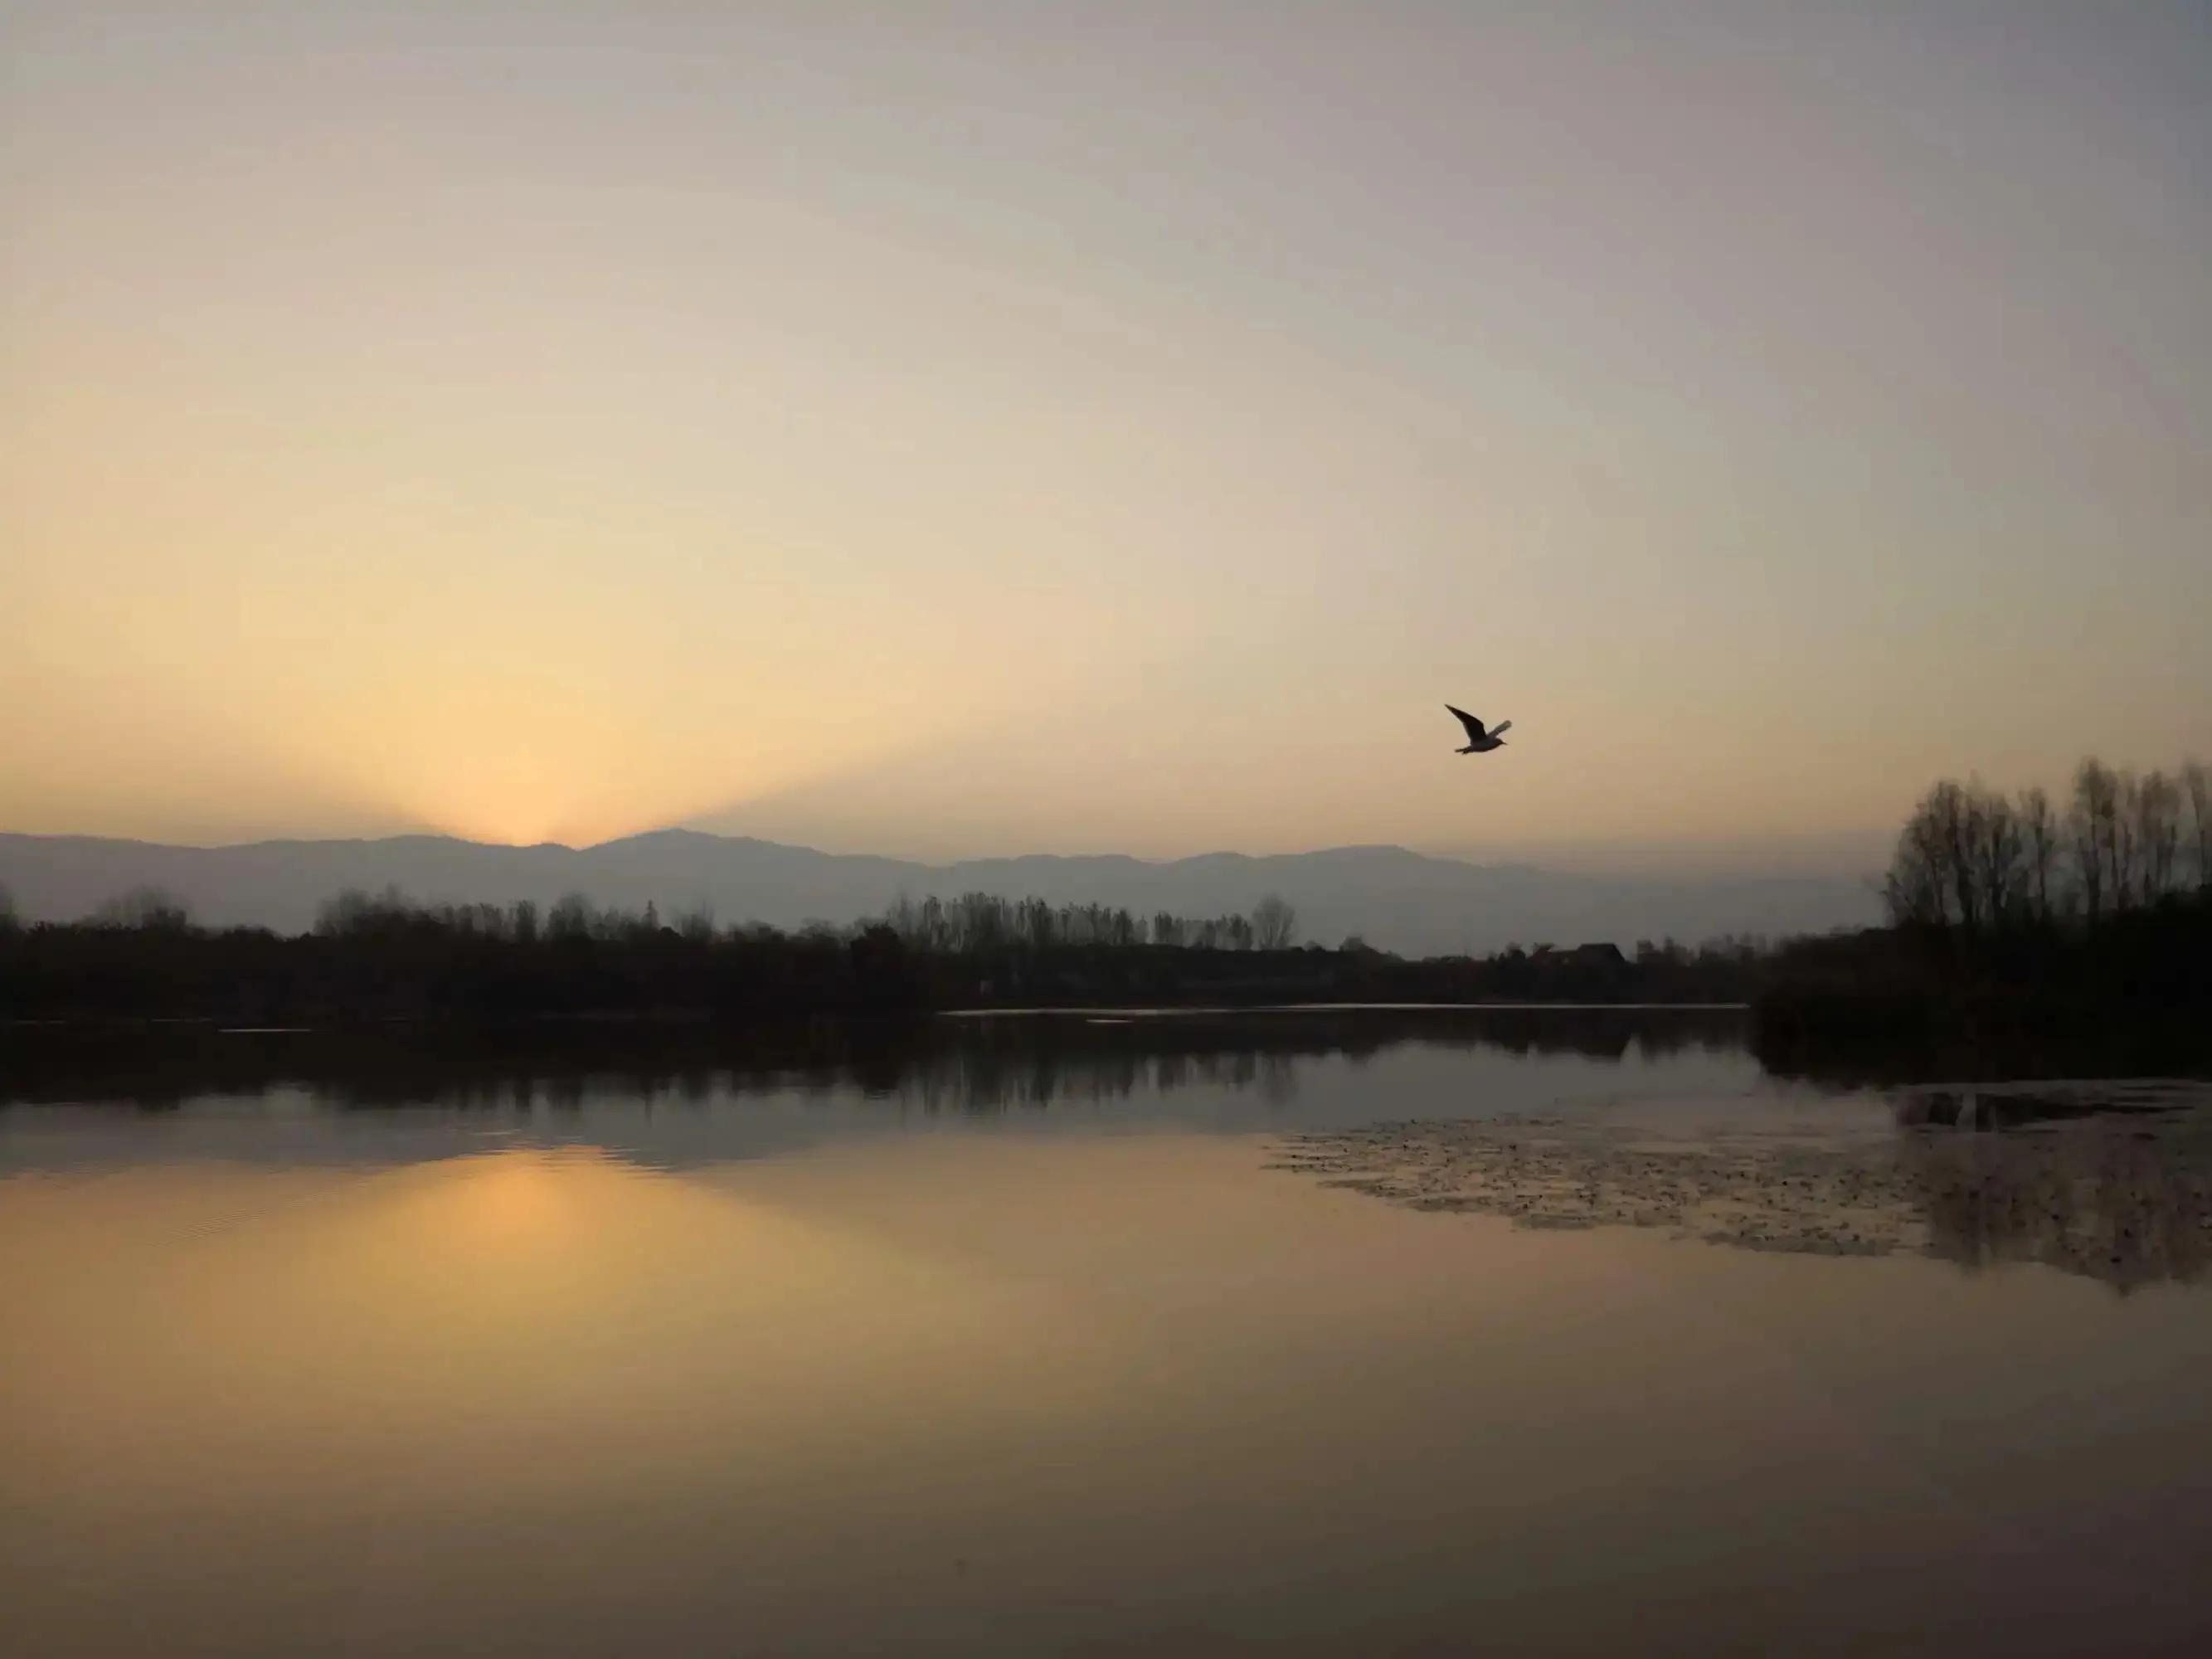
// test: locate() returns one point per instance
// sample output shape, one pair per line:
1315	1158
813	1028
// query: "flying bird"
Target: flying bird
1479	741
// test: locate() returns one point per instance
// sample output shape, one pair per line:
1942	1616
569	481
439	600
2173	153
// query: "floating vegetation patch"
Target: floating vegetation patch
2110	1180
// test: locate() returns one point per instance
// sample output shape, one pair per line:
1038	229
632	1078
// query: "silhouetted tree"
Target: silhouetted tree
904	917
2197	786
2157	833
933	932
570	918
1959	833
1274	923
2090	827
152	909
382	958
1912	891
353	912
1997	852
1954	858
881	971
1969	857
2127	850
2039	831
980	922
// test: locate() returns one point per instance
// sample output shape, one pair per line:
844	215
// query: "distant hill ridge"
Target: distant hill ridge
1397	899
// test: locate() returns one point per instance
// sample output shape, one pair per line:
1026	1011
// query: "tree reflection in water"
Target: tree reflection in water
2114	1182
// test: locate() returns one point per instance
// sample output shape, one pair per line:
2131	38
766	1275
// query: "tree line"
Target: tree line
983	921
1972	856
2024	935
973	923
383	955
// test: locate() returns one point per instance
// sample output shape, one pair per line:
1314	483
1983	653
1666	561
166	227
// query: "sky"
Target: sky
946	430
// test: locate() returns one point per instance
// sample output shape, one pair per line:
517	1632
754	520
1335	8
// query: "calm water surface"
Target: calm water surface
1172	1336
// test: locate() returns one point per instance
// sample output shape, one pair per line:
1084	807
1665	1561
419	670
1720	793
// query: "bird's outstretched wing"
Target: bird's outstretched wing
1474	731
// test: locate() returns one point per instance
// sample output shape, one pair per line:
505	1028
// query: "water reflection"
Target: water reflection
967	1064
404	1345
1991	1108
995	1393
2110	1180
1555	1117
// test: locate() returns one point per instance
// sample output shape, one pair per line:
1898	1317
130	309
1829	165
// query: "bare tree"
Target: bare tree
2038	830
1968	856
1915	890
2126	849
1997	854
1933	875
2096	801
2196	785
9	922
931	927
2157	833
1957	832
571	917
345	911
980	922
1274	923
151	908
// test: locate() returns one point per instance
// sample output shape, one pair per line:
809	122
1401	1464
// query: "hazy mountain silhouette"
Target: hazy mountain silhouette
1397	899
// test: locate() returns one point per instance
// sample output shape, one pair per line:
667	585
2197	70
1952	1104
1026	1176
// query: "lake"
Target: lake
1526	1331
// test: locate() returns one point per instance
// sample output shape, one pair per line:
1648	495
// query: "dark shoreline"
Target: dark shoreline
2124	994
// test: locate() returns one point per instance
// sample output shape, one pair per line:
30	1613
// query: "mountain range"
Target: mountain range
1395	899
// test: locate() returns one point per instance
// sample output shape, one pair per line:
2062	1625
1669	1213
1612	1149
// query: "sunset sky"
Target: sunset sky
953	429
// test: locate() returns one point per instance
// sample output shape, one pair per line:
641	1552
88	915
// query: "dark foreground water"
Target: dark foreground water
1355	1333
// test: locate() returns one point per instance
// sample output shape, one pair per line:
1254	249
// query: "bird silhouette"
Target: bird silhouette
1479	741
